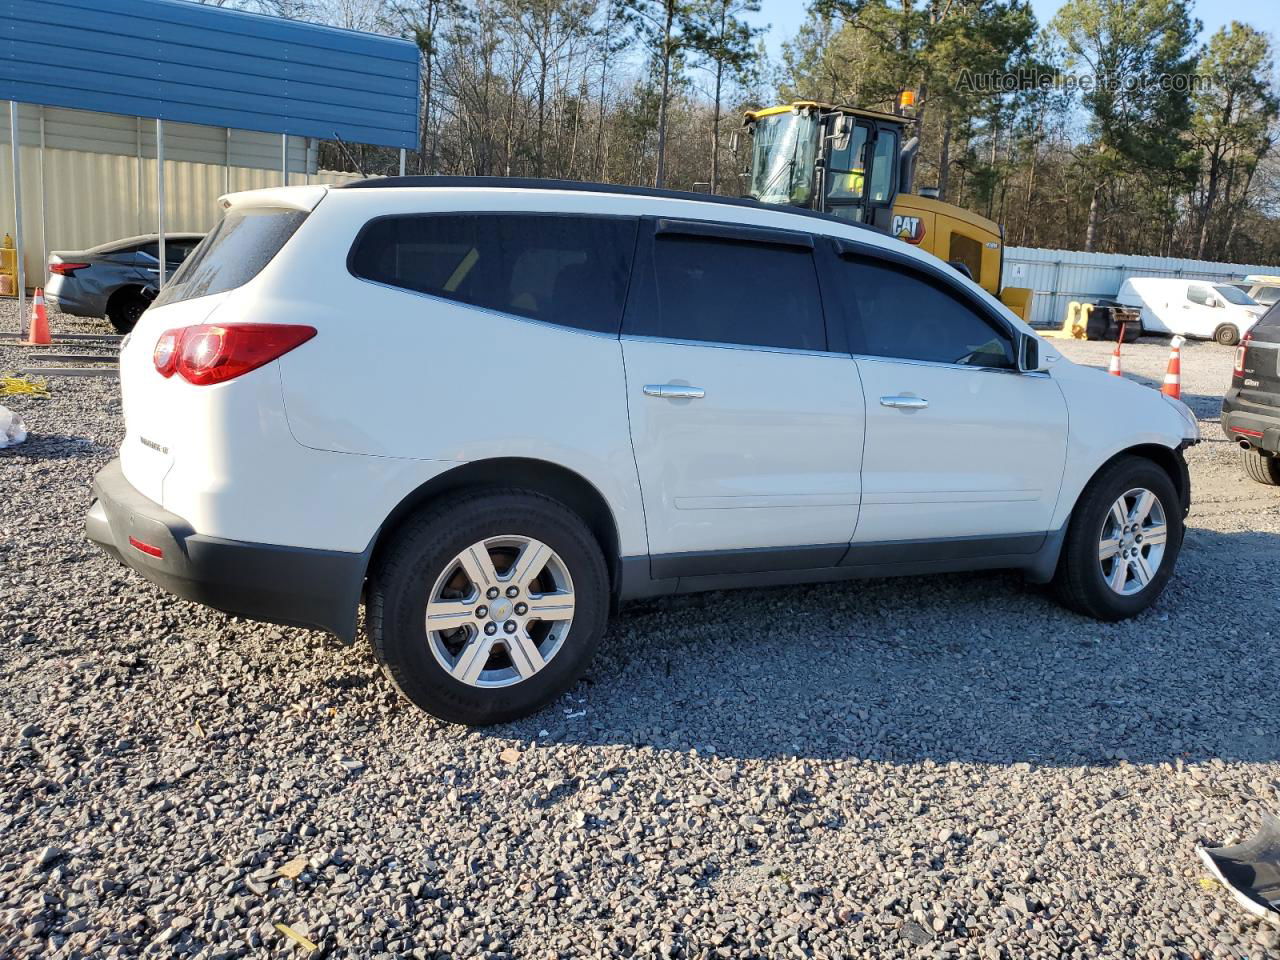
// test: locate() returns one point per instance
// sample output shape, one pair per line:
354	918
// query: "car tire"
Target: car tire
1260	467
125	308
474	668
1227	335
1098	542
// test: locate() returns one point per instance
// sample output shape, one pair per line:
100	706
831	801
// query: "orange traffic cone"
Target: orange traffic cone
38	327
1114	369
1173	376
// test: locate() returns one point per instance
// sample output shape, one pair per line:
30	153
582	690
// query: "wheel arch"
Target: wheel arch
126	289
1168	459
538	476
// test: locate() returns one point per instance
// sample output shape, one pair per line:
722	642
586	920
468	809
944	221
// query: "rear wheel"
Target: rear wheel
488	605
1122	542
1259	467
125	308
1227	335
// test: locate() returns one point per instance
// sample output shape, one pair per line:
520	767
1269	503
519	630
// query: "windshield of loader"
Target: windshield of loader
783	149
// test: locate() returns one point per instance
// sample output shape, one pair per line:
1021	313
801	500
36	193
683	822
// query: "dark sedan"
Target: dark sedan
116	280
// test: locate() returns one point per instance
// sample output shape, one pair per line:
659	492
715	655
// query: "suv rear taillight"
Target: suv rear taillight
208	353
66	269
1240	352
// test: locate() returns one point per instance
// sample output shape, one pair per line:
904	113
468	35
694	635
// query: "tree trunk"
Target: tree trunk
1233	215
944	157
1095	213
660	174
715	131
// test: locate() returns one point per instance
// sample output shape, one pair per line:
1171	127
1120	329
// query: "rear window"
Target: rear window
1268	328
571	271
232	254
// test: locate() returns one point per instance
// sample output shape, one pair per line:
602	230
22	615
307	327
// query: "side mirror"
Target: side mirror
733	143
1029	358
844	129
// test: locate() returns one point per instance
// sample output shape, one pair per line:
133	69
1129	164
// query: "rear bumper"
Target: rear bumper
70	298
319	589
1258	424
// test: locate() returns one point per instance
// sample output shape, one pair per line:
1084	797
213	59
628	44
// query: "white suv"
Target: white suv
492	409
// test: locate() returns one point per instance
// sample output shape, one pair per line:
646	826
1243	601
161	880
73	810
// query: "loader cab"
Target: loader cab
835	160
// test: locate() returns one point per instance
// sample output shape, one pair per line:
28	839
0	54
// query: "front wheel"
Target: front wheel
1227	335
488	605
1122	541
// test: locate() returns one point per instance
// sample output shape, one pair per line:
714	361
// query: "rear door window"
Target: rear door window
720	290
570	271
232	254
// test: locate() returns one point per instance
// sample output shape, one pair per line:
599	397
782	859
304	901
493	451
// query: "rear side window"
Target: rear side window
571	271
736	292
232	254
893	311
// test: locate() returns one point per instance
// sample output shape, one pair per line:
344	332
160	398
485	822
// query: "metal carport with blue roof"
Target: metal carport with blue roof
180	61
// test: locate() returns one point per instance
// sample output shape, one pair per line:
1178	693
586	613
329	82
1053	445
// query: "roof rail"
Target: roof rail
581	186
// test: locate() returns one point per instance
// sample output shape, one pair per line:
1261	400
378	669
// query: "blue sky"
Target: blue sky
785	16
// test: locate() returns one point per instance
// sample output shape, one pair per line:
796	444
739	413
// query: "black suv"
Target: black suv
1251	408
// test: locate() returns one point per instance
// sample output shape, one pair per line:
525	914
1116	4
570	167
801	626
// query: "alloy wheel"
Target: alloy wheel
1132	541
500	611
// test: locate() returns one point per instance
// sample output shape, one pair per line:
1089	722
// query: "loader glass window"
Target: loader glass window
893	311
571	271
725	291
783	150
886	158
847	167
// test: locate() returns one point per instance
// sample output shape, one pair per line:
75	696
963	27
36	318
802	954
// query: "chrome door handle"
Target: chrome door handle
904	403
674	391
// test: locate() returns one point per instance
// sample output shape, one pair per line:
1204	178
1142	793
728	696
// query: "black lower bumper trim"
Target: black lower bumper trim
319	589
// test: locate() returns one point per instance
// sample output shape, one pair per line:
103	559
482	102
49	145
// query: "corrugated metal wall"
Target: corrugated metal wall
1060	276
128	136
95	197
212	66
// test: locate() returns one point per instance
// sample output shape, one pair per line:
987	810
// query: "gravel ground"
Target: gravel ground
952	767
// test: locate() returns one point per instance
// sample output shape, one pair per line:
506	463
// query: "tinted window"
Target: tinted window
726	291
232	254
894	311
567	270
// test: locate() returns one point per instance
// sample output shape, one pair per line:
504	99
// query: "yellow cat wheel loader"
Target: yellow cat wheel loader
859	165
